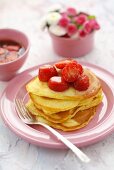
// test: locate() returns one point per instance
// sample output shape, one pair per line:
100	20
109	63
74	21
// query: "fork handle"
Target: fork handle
76	150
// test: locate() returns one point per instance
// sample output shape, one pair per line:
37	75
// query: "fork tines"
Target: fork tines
21	109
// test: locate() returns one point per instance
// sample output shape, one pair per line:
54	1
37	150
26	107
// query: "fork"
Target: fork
27	118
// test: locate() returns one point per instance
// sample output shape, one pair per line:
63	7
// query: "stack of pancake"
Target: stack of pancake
68	110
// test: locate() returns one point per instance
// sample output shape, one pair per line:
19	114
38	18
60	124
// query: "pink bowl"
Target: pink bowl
69	48
10	69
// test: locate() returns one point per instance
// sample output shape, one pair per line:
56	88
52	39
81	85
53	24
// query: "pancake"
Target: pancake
54	104
81	119
51	106
55	118
41	89
68	110
64	115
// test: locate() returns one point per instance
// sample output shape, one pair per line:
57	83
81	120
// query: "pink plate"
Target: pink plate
96	130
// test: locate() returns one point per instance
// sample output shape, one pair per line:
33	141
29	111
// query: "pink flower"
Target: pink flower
64	21
64	14
82	33
87	27
71	12
70	23
71	29
94	24
81	19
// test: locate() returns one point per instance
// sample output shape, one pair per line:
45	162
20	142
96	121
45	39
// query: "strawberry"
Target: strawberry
2	51
82	83
70	72
58	84
46	72
12	55
80	68
13	47
63	63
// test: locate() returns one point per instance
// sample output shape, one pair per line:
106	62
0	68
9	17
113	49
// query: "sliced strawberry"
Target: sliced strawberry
80	68
62	64
70	72
57	83
82	83
46	72
13	55
13	47
2	51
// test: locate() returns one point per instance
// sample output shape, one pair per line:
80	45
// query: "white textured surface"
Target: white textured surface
16	154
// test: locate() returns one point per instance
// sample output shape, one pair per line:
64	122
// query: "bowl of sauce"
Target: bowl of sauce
14	49
10	51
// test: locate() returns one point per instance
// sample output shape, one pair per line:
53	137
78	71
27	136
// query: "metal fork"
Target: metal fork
27	118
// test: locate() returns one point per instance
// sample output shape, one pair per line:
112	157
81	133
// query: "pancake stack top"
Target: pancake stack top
64	95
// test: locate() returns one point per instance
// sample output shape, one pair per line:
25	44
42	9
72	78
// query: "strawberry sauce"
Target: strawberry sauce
10	50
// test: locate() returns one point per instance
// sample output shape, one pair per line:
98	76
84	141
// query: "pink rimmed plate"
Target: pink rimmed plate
101	125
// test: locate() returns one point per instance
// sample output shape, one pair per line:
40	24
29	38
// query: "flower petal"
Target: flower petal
57	30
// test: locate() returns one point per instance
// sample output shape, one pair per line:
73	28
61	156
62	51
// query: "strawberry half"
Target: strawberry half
70	72
82	83
62	64
46	72
57	83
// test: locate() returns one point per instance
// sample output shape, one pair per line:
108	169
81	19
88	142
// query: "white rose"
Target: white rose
53	18
57	30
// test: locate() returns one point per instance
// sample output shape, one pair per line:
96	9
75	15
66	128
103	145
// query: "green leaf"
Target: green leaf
91	17
80	27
